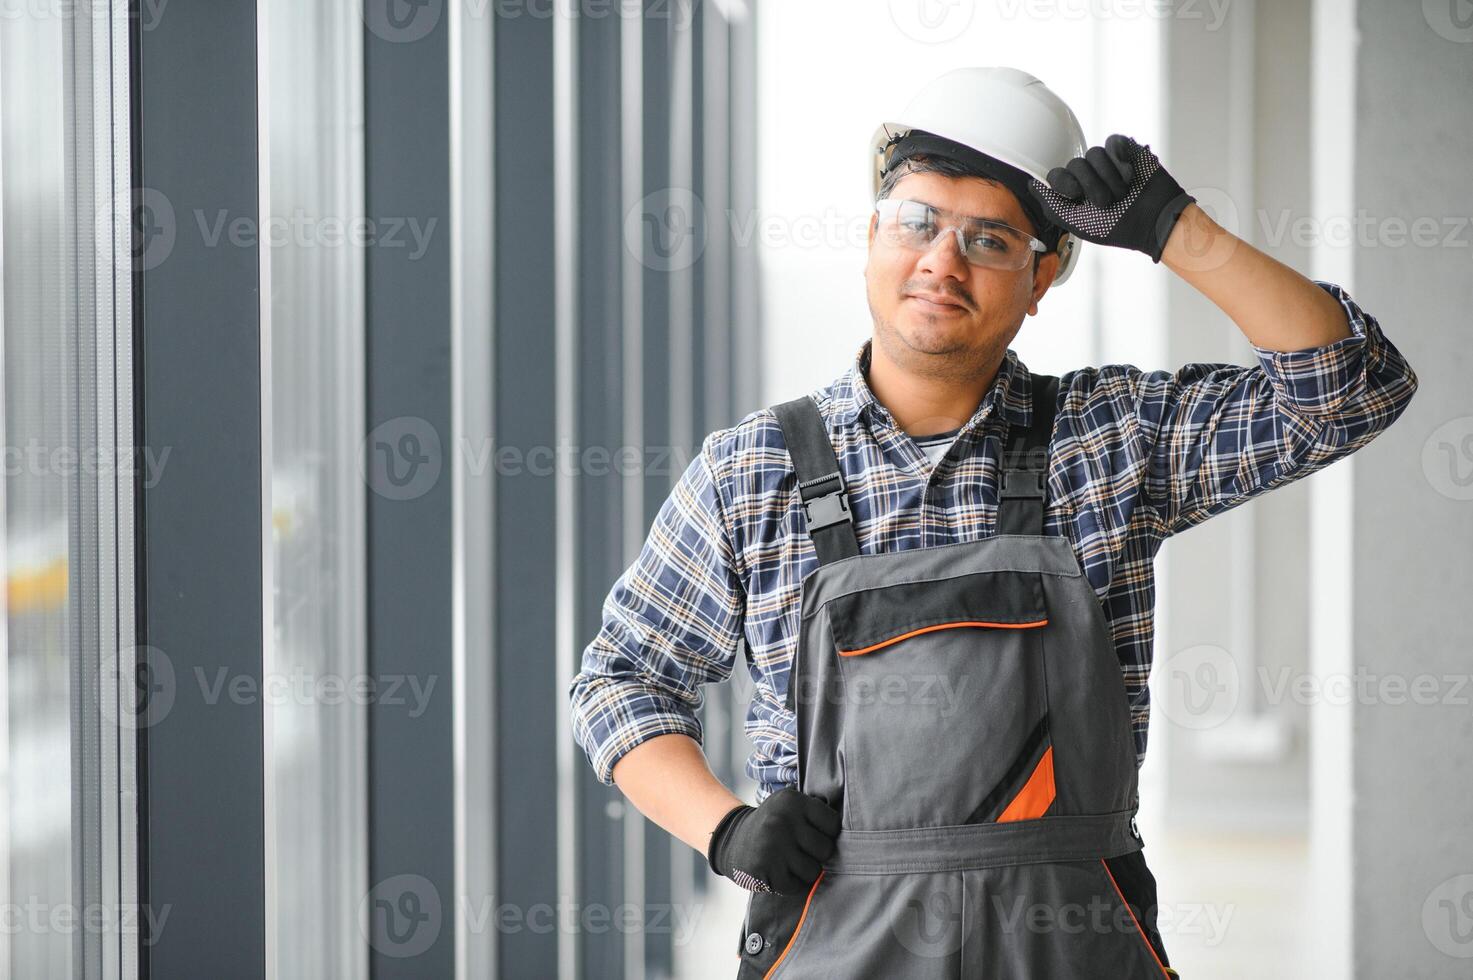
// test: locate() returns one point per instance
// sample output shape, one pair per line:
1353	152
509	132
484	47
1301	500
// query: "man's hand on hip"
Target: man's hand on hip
779	846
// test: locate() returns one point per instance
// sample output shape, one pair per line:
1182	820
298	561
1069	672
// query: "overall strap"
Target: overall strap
1023	483
821	485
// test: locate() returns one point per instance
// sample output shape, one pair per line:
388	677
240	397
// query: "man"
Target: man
983	192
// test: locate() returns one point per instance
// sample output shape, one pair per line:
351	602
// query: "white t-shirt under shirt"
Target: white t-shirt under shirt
934	445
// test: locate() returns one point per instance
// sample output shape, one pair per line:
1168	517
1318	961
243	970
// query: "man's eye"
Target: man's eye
916	224
989	243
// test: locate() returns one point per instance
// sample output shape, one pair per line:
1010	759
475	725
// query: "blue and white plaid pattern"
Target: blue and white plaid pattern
1136	456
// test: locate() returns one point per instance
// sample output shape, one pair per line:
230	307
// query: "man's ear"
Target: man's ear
874	222
1043	278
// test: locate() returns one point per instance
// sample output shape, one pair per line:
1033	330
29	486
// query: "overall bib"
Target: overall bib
962	708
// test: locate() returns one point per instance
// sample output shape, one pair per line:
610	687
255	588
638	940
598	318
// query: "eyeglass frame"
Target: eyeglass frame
1034	244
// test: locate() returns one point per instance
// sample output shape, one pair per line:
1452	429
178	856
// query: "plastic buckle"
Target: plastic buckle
831	508
1022	483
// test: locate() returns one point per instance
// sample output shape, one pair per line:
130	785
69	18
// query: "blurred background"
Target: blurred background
350	348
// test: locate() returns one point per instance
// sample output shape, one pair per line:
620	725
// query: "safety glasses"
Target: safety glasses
986	243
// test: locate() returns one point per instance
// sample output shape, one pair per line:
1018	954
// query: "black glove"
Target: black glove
1117	194
776	847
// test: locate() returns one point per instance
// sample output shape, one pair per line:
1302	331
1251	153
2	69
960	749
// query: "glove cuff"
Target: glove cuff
723	830
1147	223
1166	221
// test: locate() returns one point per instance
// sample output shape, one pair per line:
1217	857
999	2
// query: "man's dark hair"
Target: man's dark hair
924	163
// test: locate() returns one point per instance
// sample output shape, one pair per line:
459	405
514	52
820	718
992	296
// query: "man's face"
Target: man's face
989	304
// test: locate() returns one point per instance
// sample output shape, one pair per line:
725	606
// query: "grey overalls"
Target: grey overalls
962	707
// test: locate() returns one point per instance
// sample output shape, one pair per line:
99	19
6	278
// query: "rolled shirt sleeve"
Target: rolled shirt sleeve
1220	434
672	622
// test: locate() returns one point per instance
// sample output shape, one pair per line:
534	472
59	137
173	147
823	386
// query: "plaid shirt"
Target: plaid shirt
1136	456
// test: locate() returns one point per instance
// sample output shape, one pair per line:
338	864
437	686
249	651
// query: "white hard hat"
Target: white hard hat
1003	112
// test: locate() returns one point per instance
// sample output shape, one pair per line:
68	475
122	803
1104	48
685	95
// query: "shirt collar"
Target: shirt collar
1011	394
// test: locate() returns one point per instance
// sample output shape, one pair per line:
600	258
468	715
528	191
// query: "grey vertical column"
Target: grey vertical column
96	384
412	901
735	331
744	339
712	407
89	733
473	330
198	373
709	166
599	328
716	713
525	429
663	394
710	313
1394	133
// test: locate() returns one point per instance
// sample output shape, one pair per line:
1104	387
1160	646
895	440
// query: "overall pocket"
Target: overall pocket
770	928
1135	886
881	925
942	689
1063	920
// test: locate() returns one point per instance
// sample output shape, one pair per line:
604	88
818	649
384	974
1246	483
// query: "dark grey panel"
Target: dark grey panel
600	400
411	779
656	394
525	506
201	761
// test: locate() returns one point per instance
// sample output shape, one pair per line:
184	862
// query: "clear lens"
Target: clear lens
989	244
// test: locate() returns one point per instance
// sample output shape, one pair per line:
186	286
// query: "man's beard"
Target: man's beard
957	357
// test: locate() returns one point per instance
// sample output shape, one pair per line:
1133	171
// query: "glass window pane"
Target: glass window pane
35	717
312	91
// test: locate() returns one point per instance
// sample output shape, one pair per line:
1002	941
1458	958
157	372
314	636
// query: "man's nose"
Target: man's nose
946	253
